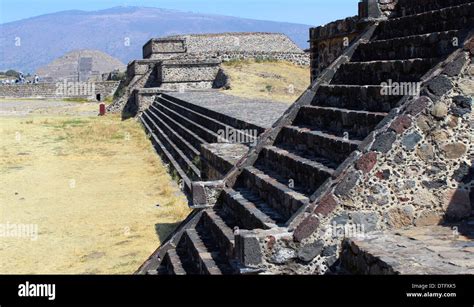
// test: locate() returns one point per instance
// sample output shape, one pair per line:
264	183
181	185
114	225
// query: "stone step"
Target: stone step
431	45
177	154
189	150
277	195
203	132
204	253
201	119
450	18
228	120
250	211
172	263
431	250
378	72
187	134
306	172
165	154
314	142
220	230
338	121
355	97
410	7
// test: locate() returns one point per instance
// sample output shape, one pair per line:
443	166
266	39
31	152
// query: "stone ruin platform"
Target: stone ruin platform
259	112
439	250
186	129
219	158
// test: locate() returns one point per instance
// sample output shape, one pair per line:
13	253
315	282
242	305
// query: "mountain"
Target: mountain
120	32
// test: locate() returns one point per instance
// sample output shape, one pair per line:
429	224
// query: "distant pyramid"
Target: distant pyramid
80	65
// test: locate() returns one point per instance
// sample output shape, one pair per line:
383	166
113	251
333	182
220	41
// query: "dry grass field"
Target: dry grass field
272	80
93	186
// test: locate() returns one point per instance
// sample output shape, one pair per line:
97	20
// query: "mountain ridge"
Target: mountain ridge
46	37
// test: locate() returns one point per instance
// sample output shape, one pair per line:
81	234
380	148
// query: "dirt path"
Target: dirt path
98	196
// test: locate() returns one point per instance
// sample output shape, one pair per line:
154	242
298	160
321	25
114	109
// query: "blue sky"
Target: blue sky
312	12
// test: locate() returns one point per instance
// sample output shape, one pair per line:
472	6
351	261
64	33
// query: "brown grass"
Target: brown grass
100	195
274	80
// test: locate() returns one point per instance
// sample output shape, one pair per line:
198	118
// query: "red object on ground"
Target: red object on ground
101	109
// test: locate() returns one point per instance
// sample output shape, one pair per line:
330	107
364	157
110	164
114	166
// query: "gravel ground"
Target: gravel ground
22	108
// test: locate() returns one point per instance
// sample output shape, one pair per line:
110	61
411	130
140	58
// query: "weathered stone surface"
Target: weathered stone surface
439	136
463	101
379	195
326	205
466	85
453	121
418	105
440	85
436	168
440	110
411	140
424	123
424	198
329	251
455	68
341	219
464	173
457	204
435	184
283	255
368	220
347	184
401	123
367	162
415	251
400	217
248	249
428	218
454	150
309	251
383	143
425	152
462	105
306	228
383	175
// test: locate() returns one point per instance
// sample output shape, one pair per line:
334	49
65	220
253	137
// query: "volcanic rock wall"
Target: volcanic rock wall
58	90
415	169
227	47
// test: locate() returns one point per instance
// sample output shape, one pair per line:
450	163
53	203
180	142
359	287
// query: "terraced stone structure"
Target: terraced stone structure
192	62
188	131
227	47
348	154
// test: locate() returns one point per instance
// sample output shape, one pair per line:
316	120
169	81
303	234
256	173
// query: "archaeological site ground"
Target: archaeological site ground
245	152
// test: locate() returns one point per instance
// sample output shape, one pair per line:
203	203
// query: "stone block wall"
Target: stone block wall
227	47
217	159
414	169
163	48
58	90
329	41
388	7
140	67
188	70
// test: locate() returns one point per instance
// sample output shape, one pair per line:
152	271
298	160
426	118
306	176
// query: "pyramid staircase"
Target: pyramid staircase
312	140
179	128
